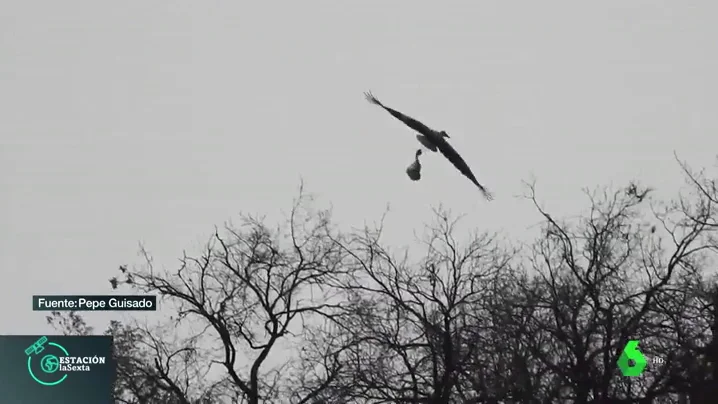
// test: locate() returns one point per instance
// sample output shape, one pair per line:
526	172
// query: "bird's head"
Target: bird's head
418	152
444	134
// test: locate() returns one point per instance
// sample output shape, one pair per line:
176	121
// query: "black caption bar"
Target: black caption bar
94	303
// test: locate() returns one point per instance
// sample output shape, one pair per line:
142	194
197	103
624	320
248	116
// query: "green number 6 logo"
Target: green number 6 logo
631	353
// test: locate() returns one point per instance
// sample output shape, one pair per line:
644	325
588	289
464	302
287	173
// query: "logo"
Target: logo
53	363
632	362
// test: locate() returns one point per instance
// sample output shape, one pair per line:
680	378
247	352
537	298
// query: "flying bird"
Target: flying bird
434	140
414	169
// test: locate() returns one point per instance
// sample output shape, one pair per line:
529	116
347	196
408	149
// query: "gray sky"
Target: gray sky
153	121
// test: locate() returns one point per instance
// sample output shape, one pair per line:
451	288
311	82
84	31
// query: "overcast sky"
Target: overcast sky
154	121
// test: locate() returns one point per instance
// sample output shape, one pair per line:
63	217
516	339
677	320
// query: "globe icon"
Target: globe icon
49	363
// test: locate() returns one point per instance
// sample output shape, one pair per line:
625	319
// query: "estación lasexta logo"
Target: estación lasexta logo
45	368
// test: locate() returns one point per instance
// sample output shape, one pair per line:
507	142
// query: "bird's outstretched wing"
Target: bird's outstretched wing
408	121
453	156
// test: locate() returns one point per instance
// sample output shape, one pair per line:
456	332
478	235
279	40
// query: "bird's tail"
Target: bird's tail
370	97
487	194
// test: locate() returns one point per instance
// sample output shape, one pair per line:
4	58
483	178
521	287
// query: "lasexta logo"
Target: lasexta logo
632	362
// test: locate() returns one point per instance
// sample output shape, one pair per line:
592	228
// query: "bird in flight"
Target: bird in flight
434	140
414	169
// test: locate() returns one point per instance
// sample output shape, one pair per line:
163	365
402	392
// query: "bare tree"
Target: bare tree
593	284
696	329
246	298
139	378
404	334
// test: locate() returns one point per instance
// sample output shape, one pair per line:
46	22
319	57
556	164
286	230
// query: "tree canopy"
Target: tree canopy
307	312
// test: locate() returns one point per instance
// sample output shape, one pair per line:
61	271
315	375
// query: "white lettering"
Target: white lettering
91	304
147	304
74	368
55	303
